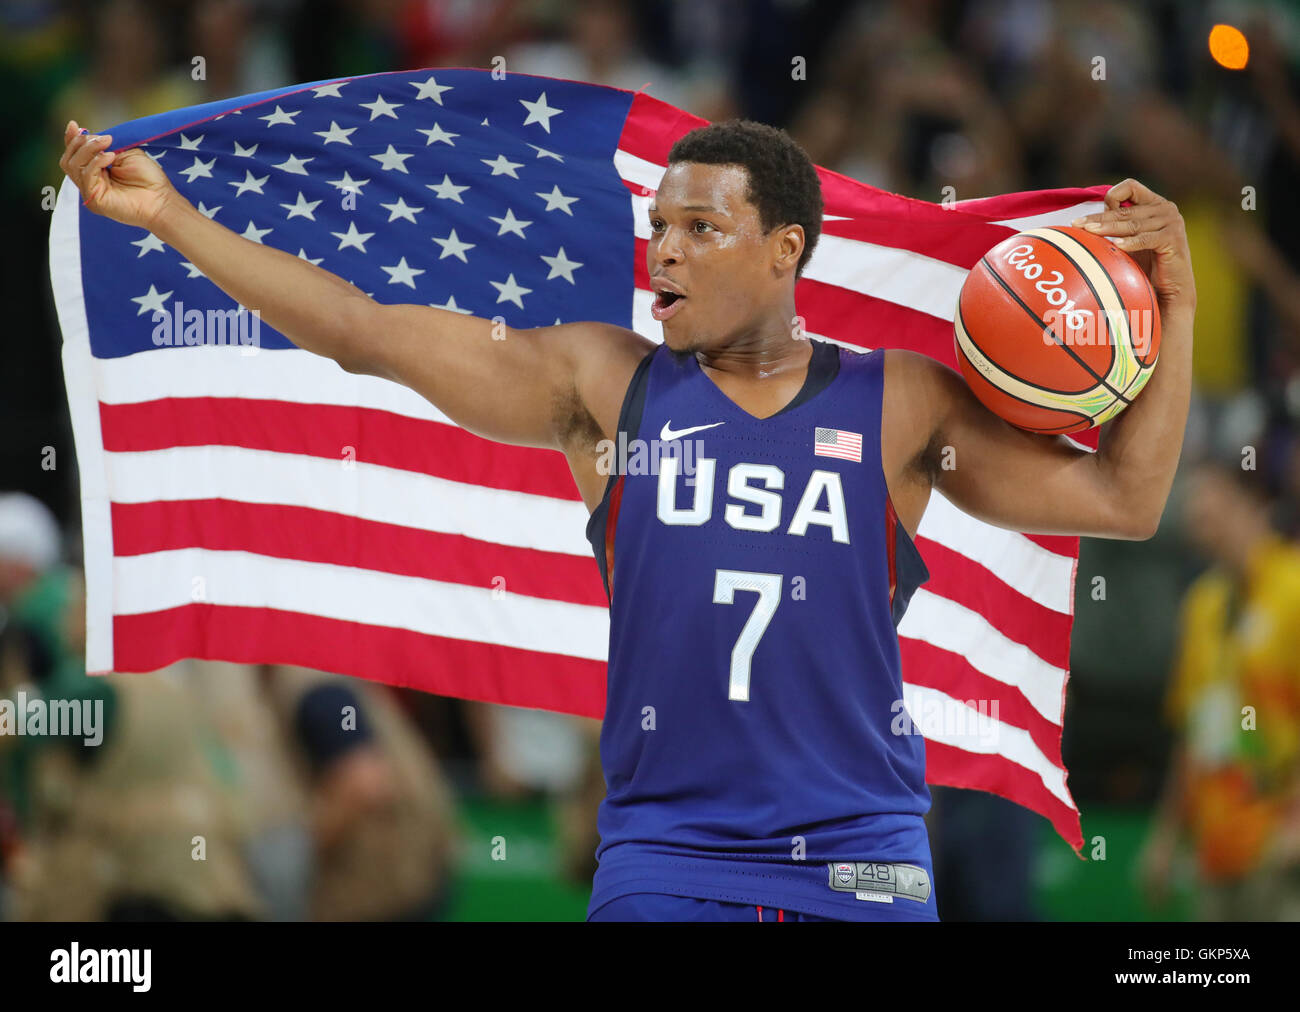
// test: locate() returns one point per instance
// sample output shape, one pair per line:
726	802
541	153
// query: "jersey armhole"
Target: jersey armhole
907	568
629	425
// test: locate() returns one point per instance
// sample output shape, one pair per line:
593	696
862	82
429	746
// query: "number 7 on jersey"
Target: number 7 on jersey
768	588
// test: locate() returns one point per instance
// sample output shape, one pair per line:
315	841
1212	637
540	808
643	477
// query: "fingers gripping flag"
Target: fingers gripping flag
247	501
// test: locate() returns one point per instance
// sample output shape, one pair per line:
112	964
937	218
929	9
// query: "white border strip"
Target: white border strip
83	405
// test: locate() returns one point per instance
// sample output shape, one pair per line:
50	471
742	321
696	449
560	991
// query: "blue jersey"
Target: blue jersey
757	573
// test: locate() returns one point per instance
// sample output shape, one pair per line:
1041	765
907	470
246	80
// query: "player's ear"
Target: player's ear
790	242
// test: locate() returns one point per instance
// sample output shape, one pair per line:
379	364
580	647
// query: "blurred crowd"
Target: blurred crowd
1185	683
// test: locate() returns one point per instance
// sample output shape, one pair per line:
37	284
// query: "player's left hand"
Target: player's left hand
1149	228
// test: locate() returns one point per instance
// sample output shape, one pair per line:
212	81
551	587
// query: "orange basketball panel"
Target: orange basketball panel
1016	411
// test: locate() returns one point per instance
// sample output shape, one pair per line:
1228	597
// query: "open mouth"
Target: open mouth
666	305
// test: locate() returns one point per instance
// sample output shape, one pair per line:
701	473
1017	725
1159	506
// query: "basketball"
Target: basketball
1057	330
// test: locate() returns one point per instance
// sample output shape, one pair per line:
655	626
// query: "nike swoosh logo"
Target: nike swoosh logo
668	435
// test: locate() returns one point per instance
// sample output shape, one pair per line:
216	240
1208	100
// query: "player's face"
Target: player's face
707	241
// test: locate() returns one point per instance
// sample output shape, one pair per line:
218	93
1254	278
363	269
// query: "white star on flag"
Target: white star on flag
453	247
401	209
352	237
249	183
437	133
430	89
511	224
149	244
447	190
199	170
500	165
381	108
336	134
347	183
401	274
254	233
540	112
152	301
561	266
555	200
392	159
280	116
302	208
510	291
294	164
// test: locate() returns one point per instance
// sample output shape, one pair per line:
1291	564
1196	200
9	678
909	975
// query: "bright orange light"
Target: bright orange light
1229	47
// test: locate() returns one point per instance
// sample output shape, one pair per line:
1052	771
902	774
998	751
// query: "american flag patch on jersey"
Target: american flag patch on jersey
838	443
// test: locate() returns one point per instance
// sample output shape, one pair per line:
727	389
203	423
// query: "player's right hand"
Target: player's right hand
135	191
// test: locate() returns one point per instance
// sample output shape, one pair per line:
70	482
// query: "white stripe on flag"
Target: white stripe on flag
1063	216
161	580
284	374
367	491
1006	740
954	627
1039	574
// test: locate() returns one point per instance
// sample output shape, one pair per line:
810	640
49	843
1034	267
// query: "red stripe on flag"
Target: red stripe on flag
1061	544
930	667
953	767
309	535
1018	617
905	223
325	430
652	126
1031	203
451	667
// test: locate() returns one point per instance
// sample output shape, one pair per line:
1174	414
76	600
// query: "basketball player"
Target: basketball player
753	657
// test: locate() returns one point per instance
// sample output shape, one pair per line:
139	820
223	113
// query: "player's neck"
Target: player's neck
762	357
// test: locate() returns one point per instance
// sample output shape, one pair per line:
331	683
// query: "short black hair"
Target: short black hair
783	183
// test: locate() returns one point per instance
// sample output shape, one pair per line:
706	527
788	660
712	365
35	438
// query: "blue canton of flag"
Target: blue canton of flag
428	188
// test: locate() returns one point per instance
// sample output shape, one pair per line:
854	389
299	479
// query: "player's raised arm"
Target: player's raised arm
513	386
1045	484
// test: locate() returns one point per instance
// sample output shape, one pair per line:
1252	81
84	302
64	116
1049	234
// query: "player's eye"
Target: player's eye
702	222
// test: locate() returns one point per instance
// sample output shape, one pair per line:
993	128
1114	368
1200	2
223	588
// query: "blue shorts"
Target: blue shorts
659	907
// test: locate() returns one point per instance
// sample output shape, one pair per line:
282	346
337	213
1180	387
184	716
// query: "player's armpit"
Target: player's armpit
1015	479
520	386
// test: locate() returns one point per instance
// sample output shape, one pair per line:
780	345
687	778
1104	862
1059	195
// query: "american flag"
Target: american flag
260	504
837	443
